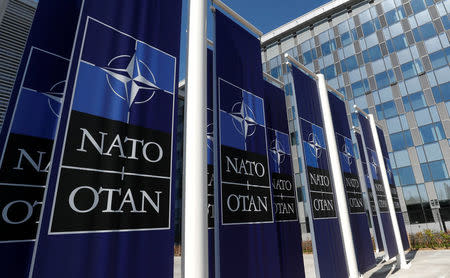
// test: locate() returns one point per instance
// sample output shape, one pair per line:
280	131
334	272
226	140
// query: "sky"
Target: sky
265	15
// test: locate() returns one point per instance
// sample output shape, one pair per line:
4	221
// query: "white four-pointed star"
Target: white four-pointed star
277	151
347	154
314	143
243	117
132	73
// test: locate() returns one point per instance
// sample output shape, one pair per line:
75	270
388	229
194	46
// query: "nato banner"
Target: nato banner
365	175
352	185
210	161
329	249
27	136
283	186
247	233
377	186
395	199
109	200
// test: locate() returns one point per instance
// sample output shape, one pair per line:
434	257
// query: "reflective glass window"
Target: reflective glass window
423	17
390	46
380	113
375	53
417	101
438	59
400	42
406	104
446	21
427	31
428	133
382	80
397	141
423	117
346	39
417	5
421	154
309	56
409	70
408	138
426	172
433	151
391	17
438	170
329	72
406	175
393	125
402	158
390	110
349	64
328	47
368	28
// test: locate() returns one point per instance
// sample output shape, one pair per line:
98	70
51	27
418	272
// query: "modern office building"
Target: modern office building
391	58
16	17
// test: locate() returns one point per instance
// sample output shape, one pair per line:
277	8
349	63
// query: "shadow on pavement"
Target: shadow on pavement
392	267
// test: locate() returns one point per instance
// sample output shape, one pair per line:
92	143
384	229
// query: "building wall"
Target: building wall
391	58
16	17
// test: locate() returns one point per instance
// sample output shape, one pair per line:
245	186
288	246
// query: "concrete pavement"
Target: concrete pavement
424	264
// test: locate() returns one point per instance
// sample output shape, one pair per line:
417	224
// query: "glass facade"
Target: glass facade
391	58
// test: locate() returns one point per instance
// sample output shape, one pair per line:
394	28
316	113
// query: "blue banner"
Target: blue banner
395	199
210	160
109	202
368	184
325	224
378	187
358	220
30	125
283	185
247	231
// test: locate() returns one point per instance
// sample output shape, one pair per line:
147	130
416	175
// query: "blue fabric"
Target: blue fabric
359	224
154	28
374	165
327	233
36	98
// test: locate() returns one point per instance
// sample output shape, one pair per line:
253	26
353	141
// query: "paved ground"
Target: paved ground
424	264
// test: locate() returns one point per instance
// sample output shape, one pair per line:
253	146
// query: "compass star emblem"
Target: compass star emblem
277	152
243	119
314	143
134	78
347	154
55	93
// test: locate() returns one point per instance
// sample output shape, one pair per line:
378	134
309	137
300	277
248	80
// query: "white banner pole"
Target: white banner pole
401	260
336	171
195	212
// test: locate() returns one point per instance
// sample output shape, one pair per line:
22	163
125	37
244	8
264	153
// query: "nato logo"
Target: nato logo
124	79
242	119
373	162
314	145
346	153
279	152
40	96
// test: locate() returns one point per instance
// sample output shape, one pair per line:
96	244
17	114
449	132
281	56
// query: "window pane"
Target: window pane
374	53
406	176
438	59
349	64
417	5
358	89
397	141
438	170
406	104
439	131
391	17
433	152
329	72
427	133
368	28
423	117
417	101
390	110
382	80
408	138
408	70
427	31
426	172
402	158
346	39
394	125
421	154
400	42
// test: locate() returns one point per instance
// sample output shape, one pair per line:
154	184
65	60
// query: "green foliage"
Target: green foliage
430	239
